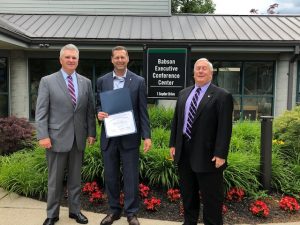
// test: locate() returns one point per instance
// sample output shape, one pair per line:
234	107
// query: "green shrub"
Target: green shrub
92	168
16	134
287	129
158	168
160	117
25	172
245	136
160	138
284	176
243	171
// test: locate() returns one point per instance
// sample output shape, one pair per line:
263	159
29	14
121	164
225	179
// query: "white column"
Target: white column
19	93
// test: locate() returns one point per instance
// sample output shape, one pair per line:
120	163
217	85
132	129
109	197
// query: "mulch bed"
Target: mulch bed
238	212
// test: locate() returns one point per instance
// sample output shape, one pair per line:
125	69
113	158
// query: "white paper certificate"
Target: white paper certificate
120	124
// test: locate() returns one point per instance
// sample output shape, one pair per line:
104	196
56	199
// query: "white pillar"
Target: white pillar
19	93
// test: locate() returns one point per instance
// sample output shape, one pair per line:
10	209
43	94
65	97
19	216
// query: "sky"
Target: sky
242	7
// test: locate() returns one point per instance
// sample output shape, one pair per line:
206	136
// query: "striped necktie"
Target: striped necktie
192	113
72	90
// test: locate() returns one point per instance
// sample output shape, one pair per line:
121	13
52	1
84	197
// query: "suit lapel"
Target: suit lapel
63	86
206	98
185	96
80	89
128	79
110	81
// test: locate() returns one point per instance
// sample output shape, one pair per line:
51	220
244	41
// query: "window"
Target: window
91	68
250	83
3	88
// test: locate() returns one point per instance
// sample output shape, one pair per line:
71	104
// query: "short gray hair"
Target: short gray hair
68	47
210	65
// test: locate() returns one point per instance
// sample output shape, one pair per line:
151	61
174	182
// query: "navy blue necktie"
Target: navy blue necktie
192	113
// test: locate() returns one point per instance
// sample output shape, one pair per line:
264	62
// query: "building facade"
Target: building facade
255	57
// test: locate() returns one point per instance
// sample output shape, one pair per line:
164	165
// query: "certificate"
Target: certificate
120	124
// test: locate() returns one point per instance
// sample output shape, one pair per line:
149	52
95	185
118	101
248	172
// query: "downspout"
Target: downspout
291	78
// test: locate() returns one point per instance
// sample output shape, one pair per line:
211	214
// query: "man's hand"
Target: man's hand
147	145
91	140
172	152
45	143
218	161
102	115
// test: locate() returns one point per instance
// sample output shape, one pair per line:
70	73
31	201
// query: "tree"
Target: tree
193	6
270	10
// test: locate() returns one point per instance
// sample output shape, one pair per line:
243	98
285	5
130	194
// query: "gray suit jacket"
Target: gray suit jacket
136	85
57	119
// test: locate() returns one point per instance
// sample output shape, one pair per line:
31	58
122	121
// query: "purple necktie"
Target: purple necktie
72	90
192	113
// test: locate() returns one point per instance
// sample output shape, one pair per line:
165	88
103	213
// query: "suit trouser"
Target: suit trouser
57	162
210	186
113	157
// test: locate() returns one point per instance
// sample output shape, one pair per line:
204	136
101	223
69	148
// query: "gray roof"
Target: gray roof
194	28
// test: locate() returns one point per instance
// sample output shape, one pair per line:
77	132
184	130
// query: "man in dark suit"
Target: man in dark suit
123	149
65	120
199	143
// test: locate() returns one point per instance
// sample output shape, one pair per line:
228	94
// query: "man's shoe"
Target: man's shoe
79	217
109	219
50	221
132	220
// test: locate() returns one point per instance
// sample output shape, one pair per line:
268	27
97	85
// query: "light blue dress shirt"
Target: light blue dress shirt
119	80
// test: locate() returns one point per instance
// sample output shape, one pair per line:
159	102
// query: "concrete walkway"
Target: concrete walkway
18	210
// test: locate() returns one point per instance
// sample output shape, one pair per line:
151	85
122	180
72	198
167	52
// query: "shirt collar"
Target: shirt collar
204	87
65	75
116	76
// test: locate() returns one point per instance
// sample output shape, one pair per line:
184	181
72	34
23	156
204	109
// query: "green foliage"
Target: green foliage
93	167
287	129
242	171
160	138
93	164
245	137
193	6
16	134
284	177
160	117
158	168
24	172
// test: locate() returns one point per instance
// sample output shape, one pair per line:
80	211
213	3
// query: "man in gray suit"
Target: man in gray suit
65	121
124	149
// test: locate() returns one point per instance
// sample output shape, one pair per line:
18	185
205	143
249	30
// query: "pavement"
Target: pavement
18	210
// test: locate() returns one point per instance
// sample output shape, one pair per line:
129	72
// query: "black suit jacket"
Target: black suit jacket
211	130
136	86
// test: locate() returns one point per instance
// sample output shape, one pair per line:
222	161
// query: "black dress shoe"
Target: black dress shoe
50	221
132	220
79	217
109	219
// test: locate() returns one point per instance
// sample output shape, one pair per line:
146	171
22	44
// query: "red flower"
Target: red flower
93	191
289	204
152	204
144	190
224	209
235	194
122	198
173	195
259	208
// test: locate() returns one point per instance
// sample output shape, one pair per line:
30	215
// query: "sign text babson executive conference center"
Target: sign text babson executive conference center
166	72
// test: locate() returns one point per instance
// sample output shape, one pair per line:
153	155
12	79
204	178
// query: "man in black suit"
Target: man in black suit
199	144
124	149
